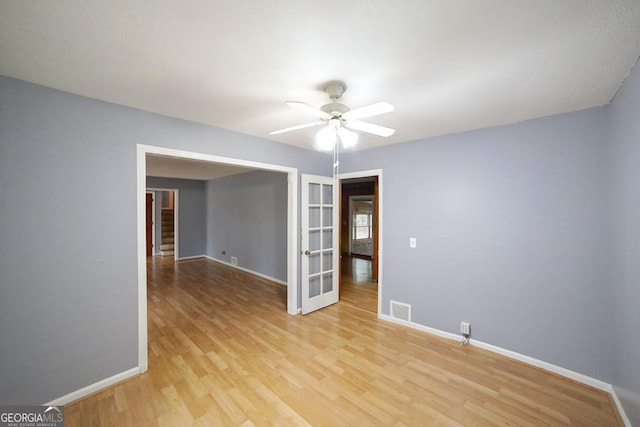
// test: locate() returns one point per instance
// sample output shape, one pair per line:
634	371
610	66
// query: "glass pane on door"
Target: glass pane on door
314	193
314	216
327	194
327	216
314	286
327	282
327	261
314	263
314	240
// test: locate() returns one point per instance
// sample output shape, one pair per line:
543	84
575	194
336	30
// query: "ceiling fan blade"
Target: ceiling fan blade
309	109
371	128
289	129
368	111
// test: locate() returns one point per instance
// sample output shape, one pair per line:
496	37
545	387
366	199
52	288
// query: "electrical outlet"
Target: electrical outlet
465	328
234	260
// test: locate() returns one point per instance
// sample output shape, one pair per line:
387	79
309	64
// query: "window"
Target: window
362	219
362	226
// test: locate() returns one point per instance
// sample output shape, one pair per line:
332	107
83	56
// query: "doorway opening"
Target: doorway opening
168	228
360	245
164	229
292	229
150	220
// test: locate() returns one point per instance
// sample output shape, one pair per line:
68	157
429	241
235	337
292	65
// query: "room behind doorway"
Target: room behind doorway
358	243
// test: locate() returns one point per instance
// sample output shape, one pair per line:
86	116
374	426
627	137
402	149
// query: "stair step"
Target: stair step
167	246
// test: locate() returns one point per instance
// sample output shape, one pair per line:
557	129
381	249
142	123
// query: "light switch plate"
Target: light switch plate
412	242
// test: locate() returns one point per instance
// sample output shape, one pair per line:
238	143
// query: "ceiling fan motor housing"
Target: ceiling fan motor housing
335	90
335	109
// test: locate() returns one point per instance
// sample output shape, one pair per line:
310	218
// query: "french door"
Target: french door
320	271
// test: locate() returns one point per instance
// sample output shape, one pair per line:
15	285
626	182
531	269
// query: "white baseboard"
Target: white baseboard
575	376
191	257
246	270
621	411
420	327
93	388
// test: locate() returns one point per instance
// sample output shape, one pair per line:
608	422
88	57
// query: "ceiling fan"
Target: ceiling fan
340	119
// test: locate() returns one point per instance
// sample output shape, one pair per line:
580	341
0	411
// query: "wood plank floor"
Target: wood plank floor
223	351
356	287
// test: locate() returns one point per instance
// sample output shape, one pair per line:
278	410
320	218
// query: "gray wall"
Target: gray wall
68	238
530	231
625	243
509	227
247	218
191	213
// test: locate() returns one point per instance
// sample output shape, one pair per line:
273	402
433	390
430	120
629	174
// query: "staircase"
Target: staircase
167	245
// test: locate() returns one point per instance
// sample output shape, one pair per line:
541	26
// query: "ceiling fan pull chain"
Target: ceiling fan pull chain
336	160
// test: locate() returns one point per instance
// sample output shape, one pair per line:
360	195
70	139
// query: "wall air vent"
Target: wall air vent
400	310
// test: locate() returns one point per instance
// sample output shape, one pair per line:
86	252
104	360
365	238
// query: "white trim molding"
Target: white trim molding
623	414
567	373
141	189
246	270
420	327
93	388
187	258
573	375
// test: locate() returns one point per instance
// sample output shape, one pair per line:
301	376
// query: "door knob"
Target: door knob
307	253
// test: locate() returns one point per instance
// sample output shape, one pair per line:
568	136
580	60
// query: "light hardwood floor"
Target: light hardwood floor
356	287
223	351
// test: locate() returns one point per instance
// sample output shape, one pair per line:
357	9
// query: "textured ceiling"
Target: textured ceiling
171	167
447	66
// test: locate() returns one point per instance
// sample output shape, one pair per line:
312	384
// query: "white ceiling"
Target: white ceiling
447	66
172	167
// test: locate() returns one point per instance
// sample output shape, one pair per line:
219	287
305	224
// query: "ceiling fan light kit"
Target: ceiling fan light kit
326	138
339	118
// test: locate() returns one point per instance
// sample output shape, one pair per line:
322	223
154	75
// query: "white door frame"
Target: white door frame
141	186
366	174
